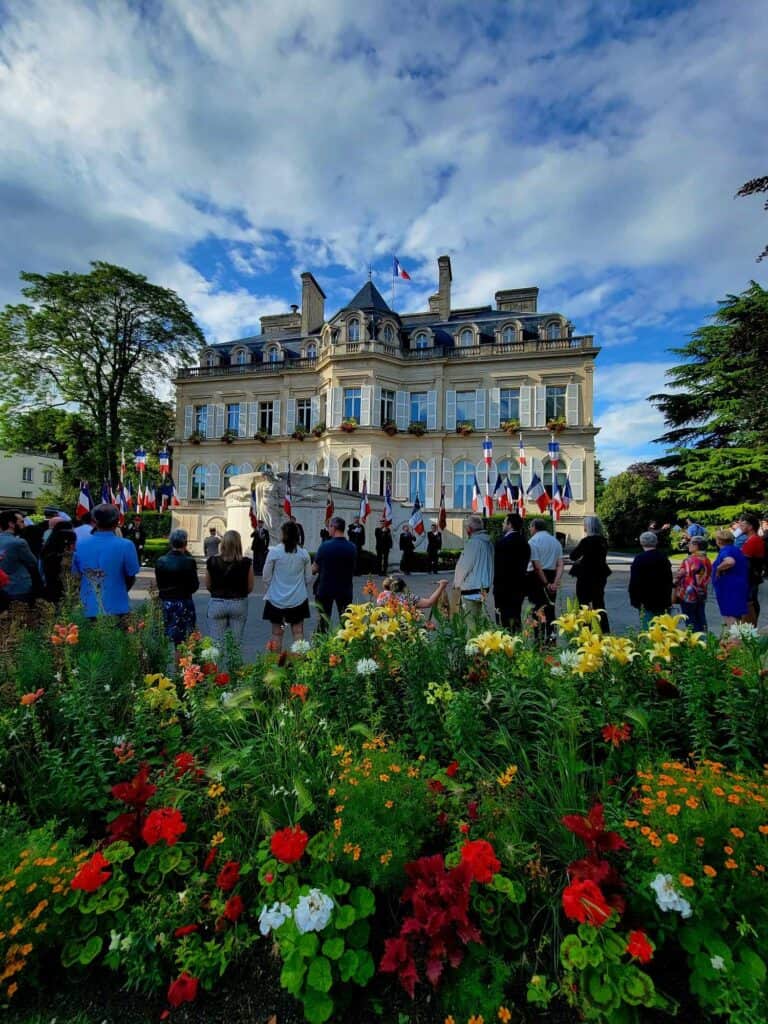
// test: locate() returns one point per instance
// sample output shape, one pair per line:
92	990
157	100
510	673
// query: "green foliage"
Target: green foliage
629	502
724	515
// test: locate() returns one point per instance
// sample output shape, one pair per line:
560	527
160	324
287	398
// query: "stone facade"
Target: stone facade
370	394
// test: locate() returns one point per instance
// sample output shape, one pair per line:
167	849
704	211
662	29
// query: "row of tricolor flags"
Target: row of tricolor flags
146	496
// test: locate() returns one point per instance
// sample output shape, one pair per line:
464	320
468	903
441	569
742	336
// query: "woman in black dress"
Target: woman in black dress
590	567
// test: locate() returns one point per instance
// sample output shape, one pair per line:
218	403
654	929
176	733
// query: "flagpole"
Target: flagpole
393	284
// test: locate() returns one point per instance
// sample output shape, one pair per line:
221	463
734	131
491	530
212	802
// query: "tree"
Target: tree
749	188
599	480
628	504
66	435
90	339
717	414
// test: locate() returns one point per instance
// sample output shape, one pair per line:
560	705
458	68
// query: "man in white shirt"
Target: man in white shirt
544	576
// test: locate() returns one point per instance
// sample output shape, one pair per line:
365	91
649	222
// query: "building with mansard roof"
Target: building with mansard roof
386	397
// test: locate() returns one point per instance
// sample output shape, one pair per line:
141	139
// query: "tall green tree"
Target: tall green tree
630	501
751	188
717	414
93	339
52	431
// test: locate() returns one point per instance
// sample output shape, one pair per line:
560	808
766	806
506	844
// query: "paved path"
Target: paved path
622	616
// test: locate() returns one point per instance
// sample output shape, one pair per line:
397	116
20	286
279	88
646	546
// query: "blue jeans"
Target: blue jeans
695	612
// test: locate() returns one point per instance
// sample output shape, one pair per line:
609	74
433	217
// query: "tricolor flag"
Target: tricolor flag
398	271
442	519
123	467
174	496
84	500
122	503
253	511
557	500
106	493
554	452
567	494
416	522
487	451
139	499
521	495
288	499
164	458
521	455
488	497
537	492
365	505
129	494
477	501
150	501
499	494
388	503
140	460
510	494
330	508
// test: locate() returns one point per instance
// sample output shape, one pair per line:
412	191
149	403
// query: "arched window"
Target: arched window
350	474
417	481
553	330
353	330
562	474
198	483
311	350
242	357
509	336
388	334
301	467
210	359
463	479
274	354
386	471
321	467
264	467
466	338
229	471
422	341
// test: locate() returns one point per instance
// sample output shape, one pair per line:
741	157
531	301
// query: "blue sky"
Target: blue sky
591	148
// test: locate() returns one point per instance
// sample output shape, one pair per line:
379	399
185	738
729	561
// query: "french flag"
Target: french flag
557	500
365	505
416	522
500	494
537	491
398	271
521	498
477	500
567	494
521	454
510	494
388	503
84	501
287	500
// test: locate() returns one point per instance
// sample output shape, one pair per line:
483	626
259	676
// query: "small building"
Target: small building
24	476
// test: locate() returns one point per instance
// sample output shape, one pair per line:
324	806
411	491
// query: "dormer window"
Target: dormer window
353	330
509	336
422	341
241	358
466	338
388	334
553	330
210	359
311	350
273	354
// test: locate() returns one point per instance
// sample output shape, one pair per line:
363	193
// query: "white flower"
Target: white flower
114	940
471	649
226	697
313	911
273	917
300	647
366	667
743	631
209	653
668	898
569	659
717	962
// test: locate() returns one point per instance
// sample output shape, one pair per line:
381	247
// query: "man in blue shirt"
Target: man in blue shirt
334	565
106	565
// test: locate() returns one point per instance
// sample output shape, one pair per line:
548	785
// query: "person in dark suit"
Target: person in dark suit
383	535
512	553
650	580
407	548
356	534
434	544
259	546
300	528
334	566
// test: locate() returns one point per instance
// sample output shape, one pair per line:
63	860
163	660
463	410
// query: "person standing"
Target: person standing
85	526
691	583
650	580
259	546
512	554
473	576
356	534
211	543
177	581
590	567
17	560
434	545
56	560
287	576
106	566
383	536
300	528
753	550
544	577
730	578
137	535
334	566
229	579
407	549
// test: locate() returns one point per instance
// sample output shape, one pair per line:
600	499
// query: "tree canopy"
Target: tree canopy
102	340
750	188
630	501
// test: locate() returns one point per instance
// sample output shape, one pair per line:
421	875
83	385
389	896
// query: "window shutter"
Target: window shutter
492	474
212	481
494	408
366	398
275	417
525	406
447	484
253	418
183	475
376	411
450	410
333	471
432	496
314	412
576	475
572	405
431	410
540	406
480	408
242	420
219	425
401	480
337	399
210	420
189	419
401	410
290	416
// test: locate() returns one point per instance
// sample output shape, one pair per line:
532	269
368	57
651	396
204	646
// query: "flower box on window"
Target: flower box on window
556	425
465	428
261	435
195	437
299	434
511	426
390	427
349	425
417	428
318	430
229	436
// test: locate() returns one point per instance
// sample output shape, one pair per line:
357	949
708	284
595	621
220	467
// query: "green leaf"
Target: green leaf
70	954
117	897
318	1007
365	968
363	901
636	987
91	949
333	948
319	975
348	965
308	944
754	964
143	860
118	852
339	887
344	917
168	859
292	974
358	935
601	989
573	956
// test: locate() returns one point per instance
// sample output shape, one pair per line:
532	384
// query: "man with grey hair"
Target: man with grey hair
650	580
334	566
544	576
106	565
473	576
177	581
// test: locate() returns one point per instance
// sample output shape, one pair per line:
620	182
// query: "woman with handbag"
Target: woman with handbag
590	568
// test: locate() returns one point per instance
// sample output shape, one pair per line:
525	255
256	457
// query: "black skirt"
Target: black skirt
278	616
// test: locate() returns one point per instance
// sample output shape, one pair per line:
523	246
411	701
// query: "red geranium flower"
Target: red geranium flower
182	990
93	873
222	679
299	690
737	672
229	876
184	762
166	823
591	830
233	908
138	791
210	667
452	768
186	929
124	827
210	857
617	734
472	810
639	947
464	828
436	786
479	857
288	844
583	901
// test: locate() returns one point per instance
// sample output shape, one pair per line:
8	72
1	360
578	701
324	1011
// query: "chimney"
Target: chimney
312	305
294	308
518	300
444	278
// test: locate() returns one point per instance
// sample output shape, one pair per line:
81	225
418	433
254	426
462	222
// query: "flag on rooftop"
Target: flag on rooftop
399	271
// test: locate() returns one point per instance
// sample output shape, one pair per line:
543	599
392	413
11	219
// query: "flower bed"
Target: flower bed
410	819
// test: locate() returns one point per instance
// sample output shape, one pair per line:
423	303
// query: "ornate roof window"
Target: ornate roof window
353	329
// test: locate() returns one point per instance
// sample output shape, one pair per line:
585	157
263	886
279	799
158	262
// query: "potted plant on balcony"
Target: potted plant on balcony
261	435
417	428
389	427
299	434
228	436
318	430
510	426
349	425
465	428
195	437
556	425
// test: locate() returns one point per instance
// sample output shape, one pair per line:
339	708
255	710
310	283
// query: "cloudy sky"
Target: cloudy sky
591	147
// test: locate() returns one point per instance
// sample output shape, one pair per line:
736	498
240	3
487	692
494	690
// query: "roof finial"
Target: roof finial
370	272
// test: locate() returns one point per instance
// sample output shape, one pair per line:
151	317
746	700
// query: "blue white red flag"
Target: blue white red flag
149	498
140	460
554	452
330	508
488	495
487	451
510	494
288	499
442	519
122	503
164	458
398	271
567	494
106	493
477	500
84	500
388	503
521	454
537	492
499	494
365	505
139	499
557	500
416	522
129	494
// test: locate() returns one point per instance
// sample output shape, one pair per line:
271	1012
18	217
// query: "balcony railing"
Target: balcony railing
249	369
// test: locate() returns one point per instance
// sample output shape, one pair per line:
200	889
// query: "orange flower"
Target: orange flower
737	833
692	802
504	1015
733	799
728	850
686	881
709	871
718	791
731	864
673	810
763	830
631	823
299	690
672	838
31	698
334	660
699	840
645	831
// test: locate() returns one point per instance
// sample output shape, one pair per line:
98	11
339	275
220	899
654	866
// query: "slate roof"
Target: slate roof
368	298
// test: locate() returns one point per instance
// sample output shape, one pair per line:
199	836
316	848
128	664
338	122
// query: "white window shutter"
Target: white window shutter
337	400
242	420
253	418
576	476
212	481
376	411
189	419
431	411
525	406
494	408
401	480
219	429
314	411
366	399
210	421
572	405
275	417
290	416
334	473
401	410
540	406
480	408
183	481
493	472
432	497
450	410
447	483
